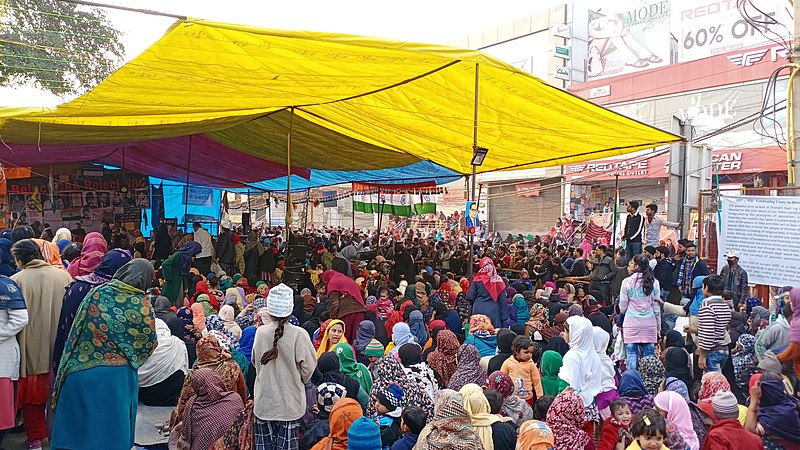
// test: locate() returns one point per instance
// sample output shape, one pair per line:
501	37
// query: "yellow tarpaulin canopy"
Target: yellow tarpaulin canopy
357	103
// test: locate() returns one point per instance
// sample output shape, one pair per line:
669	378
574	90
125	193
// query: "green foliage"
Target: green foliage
61	47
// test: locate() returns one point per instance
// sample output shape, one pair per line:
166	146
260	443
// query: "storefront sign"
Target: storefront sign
630	40
562	52
529	189
600	91
726	162
562	73
713	27
562	30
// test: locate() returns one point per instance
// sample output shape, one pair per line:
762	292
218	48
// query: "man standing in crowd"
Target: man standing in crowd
634	226
663	270
735	278
712	334
579	266
203	261
687	269
78	233
602	272
226	253
653	225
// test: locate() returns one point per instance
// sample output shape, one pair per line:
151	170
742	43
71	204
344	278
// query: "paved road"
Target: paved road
17	441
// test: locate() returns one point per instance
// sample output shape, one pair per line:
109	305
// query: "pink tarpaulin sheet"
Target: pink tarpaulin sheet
210	163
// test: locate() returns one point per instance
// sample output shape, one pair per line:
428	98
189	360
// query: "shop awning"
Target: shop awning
353	103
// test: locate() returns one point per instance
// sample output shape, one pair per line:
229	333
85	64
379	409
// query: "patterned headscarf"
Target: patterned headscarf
115	325
513	407
469	368
538	319
487	274
710	384
535	435
93	250
388	370
480	322
566	419
652	373
676	385
443	360
450	428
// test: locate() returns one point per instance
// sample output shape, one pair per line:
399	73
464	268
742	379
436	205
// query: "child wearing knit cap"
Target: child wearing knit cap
374	351
389	406
363	435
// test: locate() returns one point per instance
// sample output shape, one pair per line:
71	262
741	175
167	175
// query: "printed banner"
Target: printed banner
629	41
199	196
404	205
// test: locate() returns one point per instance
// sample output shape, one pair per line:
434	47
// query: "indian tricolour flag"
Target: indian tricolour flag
405	205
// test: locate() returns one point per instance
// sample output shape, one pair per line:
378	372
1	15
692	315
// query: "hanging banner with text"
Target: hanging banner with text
763	232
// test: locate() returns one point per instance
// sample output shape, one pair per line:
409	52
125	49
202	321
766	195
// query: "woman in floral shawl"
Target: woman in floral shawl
469	368
443	360
451	427
513	407
210	354
538	320
112	336
388	370
652	371
566	418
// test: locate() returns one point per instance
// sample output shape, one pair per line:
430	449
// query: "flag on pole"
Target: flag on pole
404	205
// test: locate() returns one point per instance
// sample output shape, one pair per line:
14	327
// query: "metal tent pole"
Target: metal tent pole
186	191
288	218
472	188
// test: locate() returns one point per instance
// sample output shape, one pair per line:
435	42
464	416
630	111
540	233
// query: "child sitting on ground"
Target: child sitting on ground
523	371
412	422
649	431
616	429
388	405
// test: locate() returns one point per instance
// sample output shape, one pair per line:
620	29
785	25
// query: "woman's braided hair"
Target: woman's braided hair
272	353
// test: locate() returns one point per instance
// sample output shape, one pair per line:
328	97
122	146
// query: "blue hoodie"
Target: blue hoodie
697	285
407	442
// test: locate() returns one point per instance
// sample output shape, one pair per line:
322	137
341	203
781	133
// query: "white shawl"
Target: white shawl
582	369
169	357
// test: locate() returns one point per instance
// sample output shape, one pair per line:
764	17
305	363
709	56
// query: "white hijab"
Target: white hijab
169	357
601	338
62	234
582	369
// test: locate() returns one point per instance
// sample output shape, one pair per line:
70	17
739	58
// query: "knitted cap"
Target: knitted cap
725	404
280	301
374	348
390	396
330	393
305	291
364	434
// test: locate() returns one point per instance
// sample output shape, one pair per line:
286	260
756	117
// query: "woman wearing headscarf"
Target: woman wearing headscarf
163	244
42	286
551	365
253	252
351	368
50	253
174	271
210	412
226	314
483	421
162	307
449	316
565	418
634	392
417	325
537	322
346	300
211	355
710	384
469	368
557	328
93	250
608	387
343	415
487	294
773	414
535	435
161	376
401	335
513	407
443	360
521	309
205	302
95	389
652	373
482	335
743	359
364	335
450	427
62	234
76	292
332	333
679	420
329	371
13	318
7	267
388	370
417	369
582	369
676	365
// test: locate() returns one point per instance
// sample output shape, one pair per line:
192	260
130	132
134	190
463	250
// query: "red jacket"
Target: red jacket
610	435
728	434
